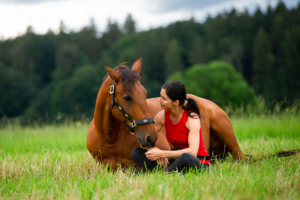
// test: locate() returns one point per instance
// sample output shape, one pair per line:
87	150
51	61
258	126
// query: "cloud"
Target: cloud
163	6
25	1
192	5
45	14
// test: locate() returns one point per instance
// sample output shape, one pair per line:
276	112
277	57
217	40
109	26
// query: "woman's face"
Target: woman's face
165	102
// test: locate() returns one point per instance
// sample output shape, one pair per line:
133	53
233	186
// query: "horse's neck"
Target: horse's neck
105	123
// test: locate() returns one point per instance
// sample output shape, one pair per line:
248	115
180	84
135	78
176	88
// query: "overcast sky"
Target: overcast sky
42	15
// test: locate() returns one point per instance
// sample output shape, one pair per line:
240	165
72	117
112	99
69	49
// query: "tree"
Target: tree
235	55
66	61
89	43
258	20
77	94
280	8
263	47
15	92
198	52
111	36
41	105
129	26
152	46
62	27
292	42
173	59
263	65
279	26
216	81
245	37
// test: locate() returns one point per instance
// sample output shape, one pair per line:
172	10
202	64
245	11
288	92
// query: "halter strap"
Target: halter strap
133	123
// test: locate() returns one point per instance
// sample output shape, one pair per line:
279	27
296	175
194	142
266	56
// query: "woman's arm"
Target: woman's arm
159	123
193	124
159	120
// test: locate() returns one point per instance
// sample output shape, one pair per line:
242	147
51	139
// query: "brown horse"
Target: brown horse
122	98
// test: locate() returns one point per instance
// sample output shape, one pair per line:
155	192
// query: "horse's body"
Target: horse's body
217	131
110	142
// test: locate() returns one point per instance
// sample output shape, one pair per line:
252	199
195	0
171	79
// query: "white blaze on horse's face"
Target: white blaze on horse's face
134	103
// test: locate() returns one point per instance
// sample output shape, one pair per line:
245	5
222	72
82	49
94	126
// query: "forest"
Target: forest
232	58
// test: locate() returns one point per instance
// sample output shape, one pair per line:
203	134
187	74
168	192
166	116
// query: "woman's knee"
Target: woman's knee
187	158
187	155
136	152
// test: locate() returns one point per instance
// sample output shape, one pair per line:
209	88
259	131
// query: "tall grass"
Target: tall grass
262	107
52	162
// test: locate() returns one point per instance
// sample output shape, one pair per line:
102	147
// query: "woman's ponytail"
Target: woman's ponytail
192	106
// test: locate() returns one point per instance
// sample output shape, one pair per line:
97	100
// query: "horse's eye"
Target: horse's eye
127	98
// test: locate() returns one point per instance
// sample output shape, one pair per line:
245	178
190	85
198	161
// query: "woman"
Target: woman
181	118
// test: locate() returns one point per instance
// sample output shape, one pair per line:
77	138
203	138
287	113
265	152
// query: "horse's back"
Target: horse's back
208	107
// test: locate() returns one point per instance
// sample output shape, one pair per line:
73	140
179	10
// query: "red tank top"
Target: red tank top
177	134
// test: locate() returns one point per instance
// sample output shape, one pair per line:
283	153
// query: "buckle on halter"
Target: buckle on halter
112	89
133	124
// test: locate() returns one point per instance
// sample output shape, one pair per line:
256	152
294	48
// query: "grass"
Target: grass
52	162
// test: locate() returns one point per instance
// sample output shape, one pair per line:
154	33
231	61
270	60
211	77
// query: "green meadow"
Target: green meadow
52	162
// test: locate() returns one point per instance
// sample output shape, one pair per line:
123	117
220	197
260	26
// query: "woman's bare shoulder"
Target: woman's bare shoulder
160	116
193	120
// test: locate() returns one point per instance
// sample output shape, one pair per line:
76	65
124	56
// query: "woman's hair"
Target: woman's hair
176	91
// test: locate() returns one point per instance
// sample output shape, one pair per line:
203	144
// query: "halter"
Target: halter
133	123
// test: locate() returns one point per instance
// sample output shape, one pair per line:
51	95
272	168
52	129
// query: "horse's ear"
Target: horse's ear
112	73
137	66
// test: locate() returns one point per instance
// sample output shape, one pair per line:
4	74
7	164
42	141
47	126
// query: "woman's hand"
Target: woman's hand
154	154
163	162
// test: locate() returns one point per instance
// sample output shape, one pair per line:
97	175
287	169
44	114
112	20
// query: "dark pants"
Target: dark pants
182	164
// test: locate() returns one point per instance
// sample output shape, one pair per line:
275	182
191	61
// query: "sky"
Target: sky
42	15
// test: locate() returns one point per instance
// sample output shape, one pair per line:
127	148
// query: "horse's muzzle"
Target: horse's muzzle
147	142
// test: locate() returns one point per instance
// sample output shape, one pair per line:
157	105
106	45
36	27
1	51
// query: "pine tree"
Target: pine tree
263	64
111	36
292	49
173	59
62	27
129	26
198	52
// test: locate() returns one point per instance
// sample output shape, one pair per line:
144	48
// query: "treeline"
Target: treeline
62	73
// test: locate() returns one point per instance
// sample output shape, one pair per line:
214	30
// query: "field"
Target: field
52	162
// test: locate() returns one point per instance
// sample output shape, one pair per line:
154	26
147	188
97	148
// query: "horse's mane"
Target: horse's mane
129	77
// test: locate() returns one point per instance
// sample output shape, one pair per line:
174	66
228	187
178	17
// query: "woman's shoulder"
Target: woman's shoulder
160	116
193	121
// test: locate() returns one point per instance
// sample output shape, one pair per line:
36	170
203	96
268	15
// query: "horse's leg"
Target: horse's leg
110	163
217	146
222	134
93	143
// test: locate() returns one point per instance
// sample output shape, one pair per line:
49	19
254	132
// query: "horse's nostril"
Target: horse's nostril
149	140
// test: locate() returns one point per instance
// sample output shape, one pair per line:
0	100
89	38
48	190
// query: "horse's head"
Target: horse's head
128	102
